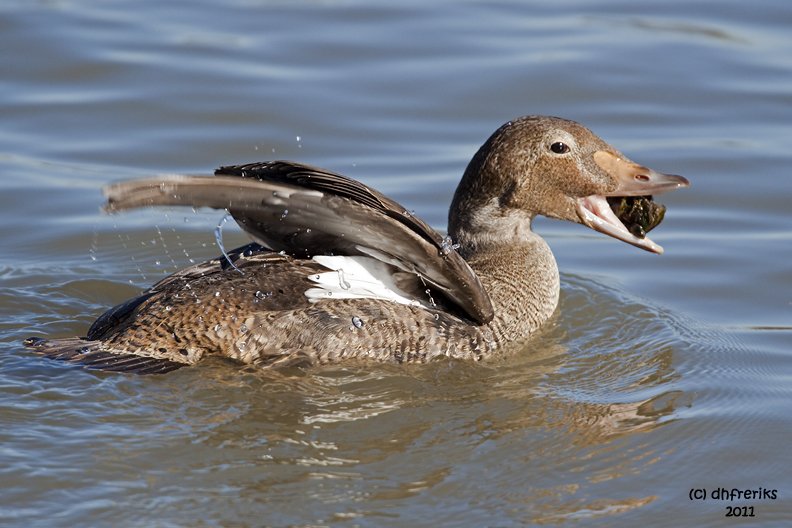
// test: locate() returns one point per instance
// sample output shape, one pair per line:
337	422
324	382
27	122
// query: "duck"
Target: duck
338	272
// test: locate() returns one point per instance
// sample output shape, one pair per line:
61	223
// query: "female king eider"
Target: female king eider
340	272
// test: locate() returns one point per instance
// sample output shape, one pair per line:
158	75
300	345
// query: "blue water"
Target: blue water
658	375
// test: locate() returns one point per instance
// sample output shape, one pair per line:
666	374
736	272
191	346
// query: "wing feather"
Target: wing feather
91	356
306	211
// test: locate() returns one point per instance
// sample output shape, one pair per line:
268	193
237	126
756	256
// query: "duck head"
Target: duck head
538	165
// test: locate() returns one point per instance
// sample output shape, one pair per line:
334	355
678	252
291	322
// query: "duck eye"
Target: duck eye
559	148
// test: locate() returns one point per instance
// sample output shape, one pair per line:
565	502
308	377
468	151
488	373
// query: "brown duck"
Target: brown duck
338	271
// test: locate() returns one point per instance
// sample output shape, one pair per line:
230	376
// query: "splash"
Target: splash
219	238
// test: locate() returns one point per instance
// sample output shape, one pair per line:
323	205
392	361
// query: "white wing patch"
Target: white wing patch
356	278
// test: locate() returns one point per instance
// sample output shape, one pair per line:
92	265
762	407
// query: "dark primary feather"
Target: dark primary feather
311	177
89	354
316	178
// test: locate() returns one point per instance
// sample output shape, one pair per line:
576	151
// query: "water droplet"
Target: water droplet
216	328
260	295
357	322
219	240
167	308
241	344
342	281
157	262
431	300
243	328
447	246
217	294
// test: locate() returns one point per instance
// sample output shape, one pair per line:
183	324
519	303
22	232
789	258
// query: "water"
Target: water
658	375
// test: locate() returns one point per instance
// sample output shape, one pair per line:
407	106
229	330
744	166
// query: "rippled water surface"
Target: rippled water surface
657	376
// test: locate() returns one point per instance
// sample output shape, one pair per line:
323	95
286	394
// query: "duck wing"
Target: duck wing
307	211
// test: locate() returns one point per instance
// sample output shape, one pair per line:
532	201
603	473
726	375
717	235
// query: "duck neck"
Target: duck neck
519	272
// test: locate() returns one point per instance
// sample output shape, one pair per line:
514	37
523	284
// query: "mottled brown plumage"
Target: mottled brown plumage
267	304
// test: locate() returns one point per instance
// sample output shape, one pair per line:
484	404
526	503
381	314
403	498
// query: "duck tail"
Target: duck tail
91	355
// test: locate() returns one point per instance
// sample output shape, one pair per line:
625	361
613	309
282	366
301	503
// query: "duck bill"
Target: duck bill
635	180
631	180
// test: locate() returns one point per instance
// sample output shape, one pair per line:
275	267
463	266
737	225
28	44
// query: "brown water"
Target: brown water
659	375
